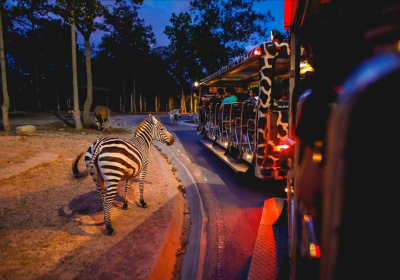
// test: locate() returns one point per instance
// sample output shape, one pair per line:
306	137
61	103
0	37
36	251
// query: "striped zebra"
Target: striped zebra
110	160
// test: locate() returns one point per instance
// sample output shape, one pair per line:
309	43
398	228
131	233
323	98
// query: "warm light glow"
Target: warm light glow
280	148
257	51
226	144
196	84
305	67
314	250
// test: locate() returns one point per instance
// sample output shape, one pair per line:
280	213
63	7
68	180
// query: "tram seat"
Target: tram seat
213	119
236	117
225	120
247	113
250	133
247	124
231	114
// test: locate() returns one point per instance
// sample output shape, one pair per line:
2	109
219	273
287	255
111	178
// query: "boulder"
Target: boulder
26	129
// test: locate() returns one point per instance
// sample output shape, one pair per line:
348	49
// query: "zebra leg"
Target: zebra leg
100	190
100	186
111	191
127	188
141	186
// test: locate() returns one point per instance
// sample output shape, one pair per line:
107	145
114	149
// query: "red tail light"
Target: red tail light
280	148
257	51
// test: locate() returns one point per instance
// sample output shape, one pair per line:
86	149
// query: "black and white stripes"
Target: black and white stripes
110	160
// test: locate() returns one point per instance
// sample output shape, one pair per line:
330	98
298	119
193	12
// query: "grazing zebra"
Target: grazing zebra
102	117
111	160
174	114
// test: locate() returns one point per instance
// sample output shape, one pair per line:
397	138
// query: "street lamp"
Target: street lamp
195	84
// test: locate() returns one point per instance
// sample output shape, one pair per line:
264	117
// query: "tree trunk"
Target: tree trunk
77	112
134	95
37	89
183	103
89	82
6	99
123	97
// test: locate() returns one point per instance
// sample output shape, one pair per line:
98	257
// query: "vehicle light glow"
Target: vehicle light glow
314	251
280	148
257	51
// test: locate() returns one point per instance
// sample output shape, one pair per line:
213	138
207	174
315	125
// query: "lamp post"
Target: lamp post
195	84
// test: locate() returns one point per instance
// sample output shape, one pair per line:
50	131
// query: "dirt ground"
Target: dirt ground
52	226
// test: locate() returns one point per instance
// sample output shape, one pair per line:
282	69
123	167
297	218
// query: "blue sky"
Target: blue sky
158	12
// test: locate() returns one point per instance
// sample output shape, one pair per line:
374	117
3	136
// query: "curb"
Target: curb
193	260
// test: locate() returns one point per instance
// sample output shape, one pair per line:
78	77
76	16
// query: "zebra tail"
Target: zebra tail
75	170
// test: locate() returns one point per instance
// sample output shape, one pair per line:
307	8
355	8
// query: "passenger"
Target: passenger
217	99
252	100
230	97
214	103
204	109
241	97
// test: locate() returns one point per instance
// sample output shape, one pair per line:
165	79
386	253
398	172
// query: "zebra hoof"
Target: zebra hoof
125	206
110	231
144	205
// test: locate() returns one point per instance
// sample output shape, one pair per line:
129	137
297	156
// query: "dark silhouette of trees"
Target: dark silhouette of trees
217	32
128	65
129	43
29	17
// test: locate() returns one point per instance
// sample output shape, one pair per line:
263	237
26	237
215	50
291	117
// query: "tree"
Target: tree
84	13
218	32
68	11
86	26
129	44
29	16
6	100
182	59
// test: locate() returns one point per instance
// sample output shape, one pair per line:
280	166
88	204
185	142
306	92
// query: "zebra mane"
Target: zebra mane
142	124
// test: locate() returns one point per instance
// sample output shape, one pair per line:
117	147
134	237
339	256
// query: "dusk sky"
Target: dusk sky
158	12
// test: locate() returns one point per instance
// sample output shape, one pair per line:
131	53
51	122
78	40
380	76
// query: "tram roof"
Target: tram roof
243	70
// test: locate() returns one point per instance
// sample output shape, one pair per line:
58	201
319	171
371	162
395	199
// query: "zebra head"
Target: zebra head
160	133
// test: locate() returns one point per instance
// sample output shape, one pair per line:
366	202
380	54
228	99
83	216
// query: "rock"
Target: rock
26	129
